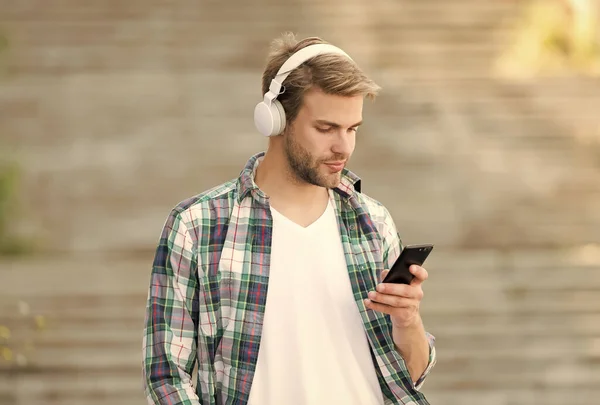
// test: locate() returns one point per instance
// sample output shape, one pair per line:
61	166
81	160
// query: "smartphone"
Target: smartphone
411	254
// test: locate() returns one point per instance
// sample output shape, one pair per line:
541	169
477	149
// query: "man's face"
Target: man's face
321	139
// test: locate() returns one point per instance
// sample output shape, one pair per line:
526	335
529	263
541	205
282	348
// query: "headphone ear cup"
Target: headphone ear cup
263	119
269	119
280	119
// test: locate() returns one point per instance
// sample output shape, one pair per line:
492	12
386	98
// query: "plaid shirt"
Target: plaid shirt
208	290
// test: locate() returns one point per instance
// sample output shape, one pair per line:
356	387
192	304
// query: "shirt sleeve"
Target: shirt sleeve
432	361
392	246
170	333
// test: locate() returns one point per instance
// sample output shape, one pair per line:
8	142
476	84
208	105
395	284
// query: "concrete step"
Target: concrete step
189	9
171	55
78	388
541	325
515	348
540	395
513	375
95	355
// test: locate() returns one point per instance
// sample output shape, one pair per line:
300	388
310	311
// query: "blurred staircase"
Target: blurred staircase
118	111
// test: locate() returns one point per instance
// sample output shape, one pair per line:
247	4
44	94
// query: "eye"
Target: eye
324	130
355	129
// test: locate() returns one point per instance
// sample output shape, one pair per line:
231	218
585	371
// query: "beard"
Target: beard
308	169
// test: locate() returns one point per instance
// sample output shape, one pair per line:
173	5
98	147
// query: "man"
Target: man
268	284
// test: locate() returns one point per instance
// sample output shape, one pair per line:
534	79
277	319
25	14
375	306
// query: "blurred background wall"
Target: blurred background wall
485	141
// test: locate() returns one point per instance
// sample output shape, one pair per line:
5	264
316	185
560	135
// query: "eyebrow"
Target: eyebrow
335	125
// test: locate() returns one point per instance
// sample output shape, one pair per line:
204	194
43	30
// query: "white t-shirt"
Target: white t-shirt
314	349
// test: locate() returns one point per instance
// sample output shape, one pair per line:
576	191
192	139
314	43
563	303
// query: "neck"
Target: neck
276	179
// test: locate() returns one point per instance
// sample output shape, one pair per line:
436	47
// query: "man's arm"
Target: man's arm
417	348
401	303
170	332
415	345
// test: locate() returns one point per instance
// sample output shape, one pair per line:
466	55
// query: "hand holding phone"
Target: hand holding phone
411	254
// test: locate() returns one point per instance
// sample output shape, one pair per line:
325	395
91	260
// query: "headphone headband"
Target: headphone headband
299	58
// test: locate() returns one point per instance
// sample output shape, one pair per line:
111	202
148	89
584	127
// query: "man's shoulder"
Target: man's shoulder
217	201
374	208
380	217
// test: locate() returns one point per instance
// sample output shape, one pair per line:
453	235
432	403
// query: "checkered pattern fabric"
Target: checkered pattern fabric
209	285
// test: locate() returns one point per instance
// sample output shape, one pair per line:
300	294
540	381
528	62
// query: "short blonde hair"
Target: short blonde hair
331	73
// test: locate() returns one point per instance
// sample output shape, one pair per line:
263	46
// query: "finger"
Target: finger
420	274
401	290
391	300
375	306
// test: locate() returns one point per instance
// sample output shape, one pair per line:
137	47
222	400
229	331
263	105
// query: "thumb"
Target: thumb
383	274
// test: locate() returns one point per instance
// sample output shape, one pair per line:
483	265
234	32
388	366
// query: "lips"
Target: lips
335	166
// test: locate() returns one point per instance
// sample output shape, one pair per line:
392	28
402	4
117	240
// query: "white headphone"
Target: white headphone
269	116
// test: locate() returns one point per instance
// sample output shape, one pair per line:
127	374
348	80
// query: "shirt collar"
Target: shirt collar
349	184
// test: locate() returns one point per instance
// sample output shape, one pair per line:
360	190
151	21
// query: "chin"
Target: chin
332	181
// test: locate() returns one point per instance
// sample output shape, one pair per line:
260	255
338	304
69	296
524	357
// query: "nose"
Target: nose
344	143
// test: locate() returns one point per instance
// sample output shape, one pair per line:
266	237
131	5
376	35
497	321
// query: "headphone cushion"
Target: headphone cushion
281	120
